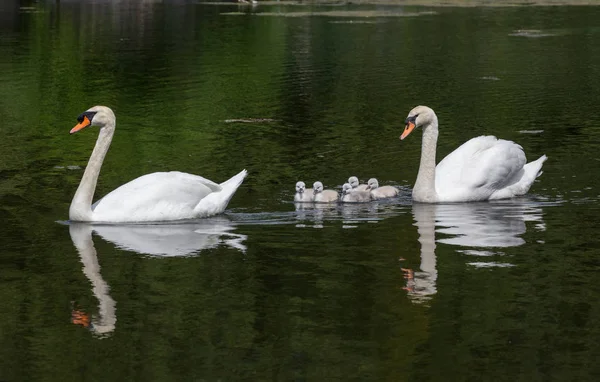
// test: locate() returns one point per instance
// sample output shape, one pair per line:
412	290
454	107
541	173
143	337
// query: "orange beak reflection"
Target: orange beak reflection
410	126
79	317
85	123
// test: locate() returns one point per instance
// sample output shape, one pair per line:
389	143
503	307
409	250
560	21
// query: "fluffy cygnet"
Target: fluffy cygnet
355	186
324	196
303	194
351	195
381	192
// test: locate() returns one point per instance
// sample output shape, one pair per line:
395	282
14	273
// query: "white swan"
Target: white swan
324	196
382	192
350	195
303	194
353	181
483	168
159	196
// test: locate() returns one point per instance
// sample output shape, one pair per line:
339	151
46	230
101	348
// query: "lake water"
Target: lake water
270	290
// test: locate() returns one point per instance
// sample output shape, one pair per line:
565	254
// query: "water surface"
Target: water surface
272	290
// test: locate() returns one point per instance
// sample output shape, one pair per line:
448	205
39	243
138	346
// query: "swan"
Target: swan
324	196
355	186
159	196
381	192
303	194
483	168
350	195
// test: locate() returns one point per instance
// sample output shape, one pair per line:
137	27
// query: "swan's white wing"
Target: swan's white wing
155	197
478	168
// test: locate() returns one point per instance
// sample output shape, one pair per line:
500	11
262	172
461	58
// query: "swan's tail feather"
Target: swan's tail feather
532	171
236	179
216	202
539	162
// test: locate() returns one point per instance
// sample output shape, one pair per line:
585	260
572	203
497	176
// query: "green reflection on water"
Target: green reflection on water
300	303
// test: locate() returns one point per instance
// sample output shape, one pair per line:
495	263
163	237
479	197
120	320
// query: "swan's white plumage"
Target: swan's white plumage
160	196
163	196
483	168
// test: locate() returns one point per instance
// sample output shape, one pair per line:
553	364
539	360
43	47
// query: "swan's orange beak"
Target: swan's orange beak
85	123
410	126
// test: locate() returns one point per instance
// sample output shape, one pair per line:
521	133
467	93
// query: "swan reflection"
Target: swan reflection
104	322
479	228
166	240
176	239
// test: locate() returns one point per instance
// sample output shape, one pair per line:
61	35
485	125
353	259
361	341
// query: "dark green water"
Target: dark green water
268	291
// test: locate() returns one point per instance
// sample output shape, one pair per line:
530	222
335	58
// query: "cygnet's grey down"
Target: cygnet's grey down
355	186
350	195
324	196
381	192
303	194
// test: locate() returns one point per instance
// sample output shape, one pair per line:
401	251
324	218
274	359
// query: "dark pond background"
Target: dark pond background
272	291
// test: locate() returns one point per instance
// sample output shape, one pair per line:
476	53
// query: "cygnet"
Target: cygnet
382	192
355	186
324	196
350	195
303	194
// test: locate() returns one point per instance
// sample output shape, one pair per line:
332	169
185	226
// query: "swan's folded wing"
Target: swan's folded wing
194	179
157	196
483	163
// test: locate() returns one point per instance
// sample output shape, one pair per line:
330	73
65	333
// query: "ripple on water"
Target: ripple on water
490	78
69	167
532	33
313	215
356	22
338	13
492	264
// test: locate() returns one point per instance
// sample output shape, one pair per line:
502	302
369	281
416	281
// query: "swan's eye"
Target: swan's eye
412	119
89	114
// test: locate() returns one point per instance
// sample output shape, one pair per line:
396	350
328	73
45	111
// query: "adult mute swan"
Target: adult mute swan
483	168
159	196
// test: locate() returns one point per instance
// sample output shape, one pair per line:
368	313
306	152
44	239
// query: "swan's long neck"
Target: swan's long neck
81	206
424	189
